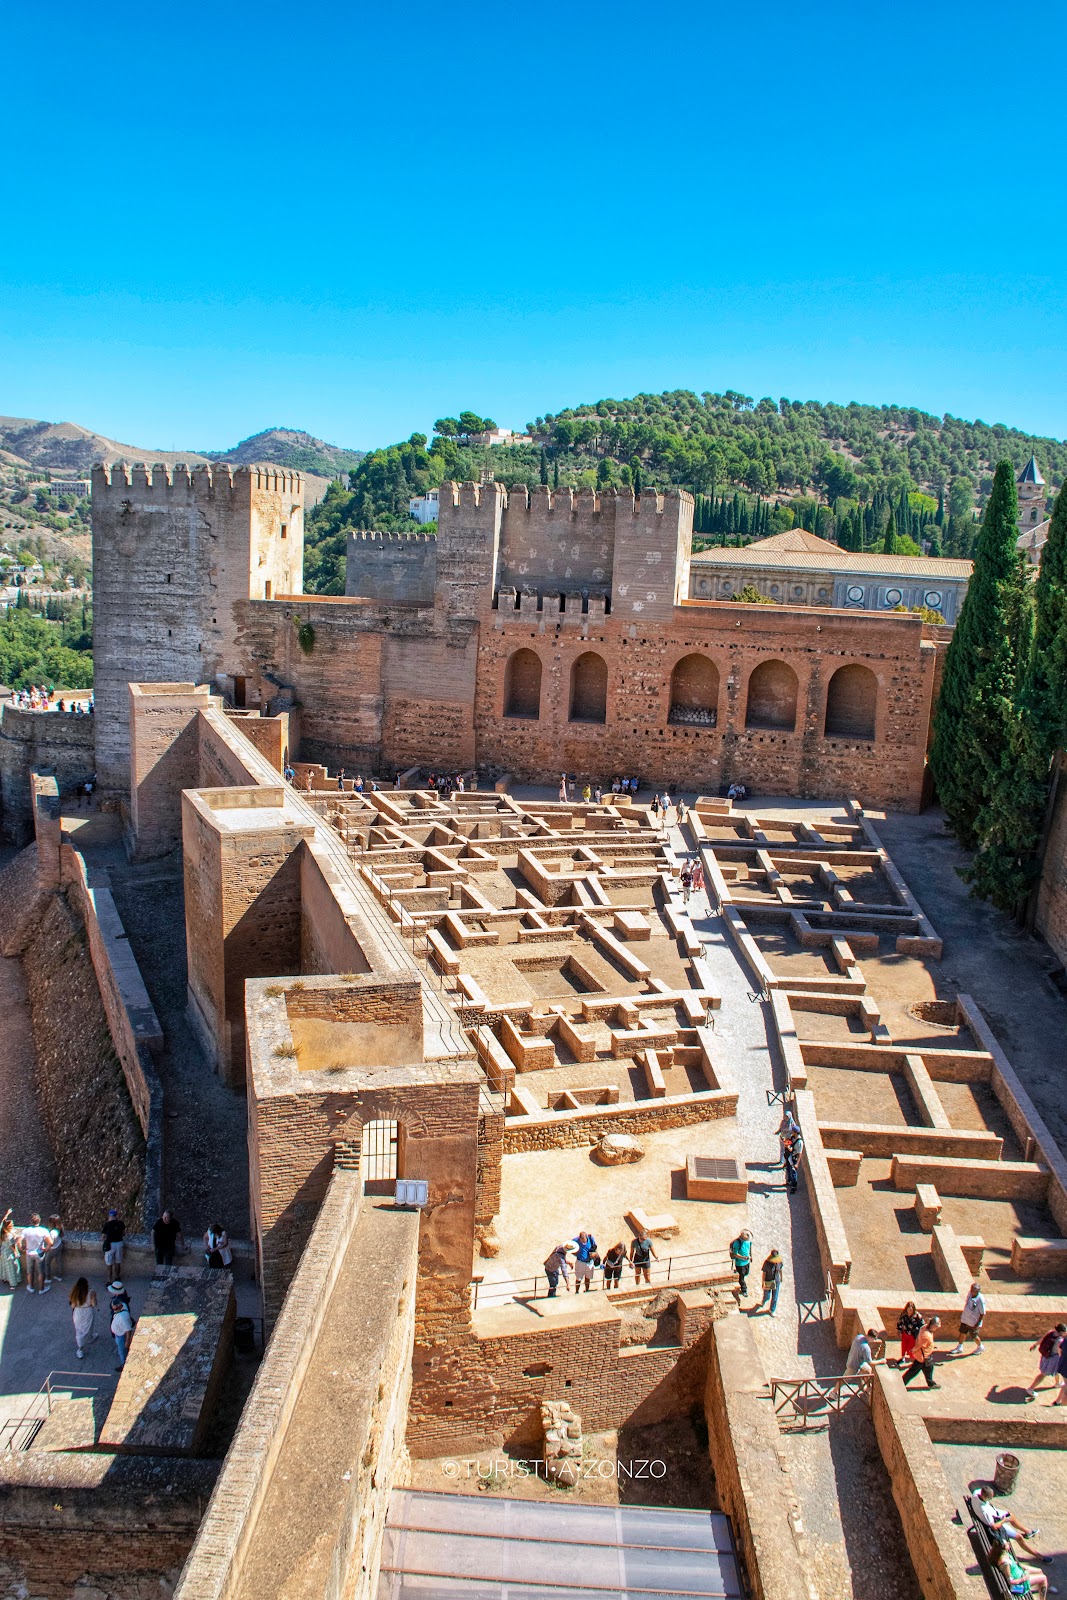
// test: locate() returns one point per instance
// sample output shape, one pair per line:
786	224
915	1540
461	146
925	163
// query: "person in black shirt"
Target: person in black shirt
165	1236
114	1234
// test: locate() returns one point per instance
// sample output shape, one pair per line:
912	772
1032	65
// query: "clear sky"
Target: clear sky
354	219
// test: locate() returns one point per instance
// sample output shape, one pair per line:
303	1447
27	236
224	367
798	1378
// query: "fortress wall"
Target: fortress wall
557	540
428	691
399	567
60	742
637	737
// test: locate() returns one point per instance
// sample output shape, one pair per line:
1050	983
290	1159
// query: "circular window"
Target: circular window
704	585
855	593
933	599
727	588
824	592
774	588
798	588
893	597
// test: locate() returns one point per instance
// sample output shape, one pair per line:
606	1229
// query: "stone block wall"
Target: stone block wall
392	567
1051	900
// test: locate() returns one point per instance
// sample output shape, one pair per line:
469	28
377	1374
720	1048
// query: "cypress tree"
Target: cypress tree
555	473
974	717
889	542
939	516
1012	821
544	465
635	474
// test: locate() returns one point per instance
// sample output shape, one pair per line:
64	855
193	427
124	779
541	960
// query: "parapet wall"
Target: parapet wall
399	568
57	742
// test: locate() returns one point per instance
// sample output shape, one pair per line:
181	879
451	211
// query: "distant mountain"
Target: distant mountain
68	447
289	447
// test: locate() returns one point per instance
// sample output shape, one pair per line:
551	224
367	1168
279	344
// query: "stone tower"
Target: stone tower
1032	489
174	551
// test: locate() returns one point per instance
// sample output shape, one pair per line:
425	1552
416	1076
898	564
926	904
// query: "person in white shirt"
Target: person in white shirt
971	1318
36	1242
1002	1524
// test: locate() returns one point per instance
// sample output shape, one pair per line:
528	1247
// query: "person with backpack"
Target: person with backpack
741	1258
613	1263
772	1281
558	1266
1048	1354
793	1152
217	1252
122	1326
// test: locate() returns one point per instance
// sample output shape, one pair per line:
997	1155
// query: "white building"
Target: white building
423	507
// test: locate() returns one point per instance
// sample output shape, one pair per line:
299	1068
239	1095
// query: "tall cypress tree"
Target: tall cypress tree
1012	820
544	465
889	542
975	713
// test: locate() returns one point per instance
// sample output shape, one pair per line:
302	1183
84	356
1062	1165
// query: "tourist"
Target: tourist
217	1252
698	877
687	883
1048	1351
357	787
1061	1374
1021	1580
922	1355
741	1258
598	795
122	1326
114	1232
654	805
166	1233
587	794
971	1318
793	1152
118	1291
563	788
788	1128
558	1266
35	1242
909	1325
772	1281
860	1357
1005	1527
681	812
642	1256
341	781
10	1253
613	1264
586	1258
83	1309
615	785
54	1253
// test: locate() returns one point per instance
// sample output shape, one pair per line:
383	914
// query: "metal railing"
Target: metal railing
815	1399
18	1433
697	1265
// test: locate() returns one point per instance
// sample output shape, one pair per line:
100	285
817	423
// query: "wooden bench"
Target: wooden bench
986	1547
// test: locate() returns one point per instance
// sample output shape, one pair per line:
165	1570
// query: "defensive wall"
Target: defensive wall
57	742
1050	907
533	632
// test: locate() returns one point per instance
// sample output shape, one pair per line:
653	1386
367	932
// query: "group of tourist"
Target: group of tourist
790	1149
770	1273
39	697
31	1254
582	1256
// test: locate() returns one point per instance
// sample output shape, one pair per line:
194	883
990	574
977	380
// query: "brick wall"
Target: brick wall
1051	919
45	741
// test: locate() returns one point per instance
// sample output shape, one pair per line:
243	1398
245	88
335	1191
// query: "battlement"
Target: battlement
200	481
369	536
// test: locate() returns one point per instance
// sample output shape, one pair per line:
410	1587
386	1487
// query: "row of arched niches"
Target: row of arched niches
770	700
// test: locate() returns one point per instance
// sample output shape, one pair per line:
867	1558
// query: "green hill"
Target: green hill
757	465
290	447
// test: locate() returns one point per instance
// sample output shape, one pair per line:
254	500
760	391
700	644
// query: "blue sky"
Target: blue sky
355	219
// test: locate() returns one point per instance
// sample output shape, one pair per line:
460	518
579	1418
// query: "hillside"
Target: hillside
289	447
66	447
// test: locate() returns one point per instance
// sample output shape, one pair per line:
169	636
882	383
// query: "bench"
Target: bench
986	1548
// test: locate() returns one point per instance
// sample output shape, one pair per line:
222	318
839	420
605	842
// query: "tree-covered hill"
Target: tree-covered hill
758	466
290	447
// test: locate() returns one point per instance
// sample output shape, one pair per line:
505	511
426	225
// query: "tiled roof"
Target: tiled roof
871	564
797	540
1031	473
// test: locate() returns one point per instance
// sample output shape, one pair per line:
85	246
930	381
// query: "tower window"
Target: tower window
285	530
267	589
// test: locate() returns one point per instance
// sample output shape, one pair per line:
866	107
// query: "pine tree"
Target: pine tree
974	718
1012	821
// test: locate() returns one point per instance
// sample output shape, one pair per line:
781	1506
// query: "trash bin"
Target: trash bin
1007	1470
244	1339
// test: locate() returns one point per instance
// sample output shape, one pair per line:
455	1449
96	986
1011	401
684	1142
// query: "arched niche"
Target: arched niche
694	692
522	685
772	697
852	703
589	688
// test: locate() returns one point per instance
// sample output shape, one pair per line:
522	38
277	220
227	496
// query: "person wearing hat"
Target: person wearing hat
558	1265
122	1324
114	1232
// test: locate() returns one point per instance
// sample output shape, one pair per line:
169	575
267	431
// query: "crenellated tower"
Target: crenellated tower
174	551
